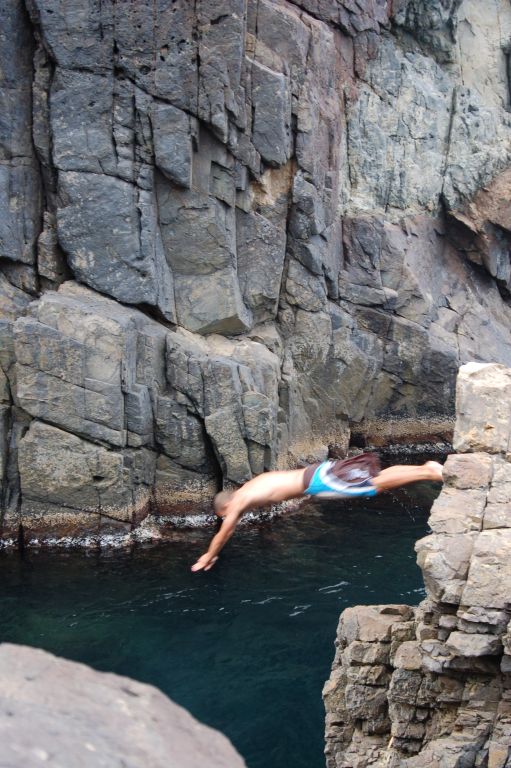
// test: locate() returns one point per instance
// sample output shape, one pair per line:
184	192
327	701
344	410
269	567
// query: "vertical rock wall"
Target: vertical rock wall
431	686
231	232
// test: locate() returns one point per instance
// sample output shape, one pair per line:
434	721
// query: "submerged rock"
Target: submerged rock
58	712
430	686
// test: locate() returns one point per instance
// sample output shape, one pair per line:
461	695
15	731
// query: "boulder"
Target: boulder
78	715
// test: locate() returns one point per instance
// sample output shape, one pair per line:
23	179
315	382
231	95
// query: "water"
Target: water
245	647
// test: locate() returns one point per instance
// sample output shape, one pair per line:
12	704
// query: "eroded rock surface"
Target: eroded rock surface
57	712
322	184
431	686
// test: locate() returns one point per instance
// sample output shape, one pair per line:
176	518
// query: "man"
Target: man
348	478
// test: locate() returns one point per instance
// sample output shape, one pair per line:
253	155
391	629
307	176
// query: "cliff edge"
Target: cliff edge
431	686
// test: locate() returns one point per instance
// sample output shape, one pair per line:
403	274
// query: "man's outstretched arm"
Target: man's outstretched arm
209	558
265	489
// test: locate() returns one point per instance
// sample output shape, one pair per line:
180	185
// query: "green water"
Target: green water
245	647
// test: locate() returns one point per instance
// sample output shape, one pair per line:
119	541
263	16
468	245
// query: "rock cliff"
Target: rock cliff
56	712
232	232
431	686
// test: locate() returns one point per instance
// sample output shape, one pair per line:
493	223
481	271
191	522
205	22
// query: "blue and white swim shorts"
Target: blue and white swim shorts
342	479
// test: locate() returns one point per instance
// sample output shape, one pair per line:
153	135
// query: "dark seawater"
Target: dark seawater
245	647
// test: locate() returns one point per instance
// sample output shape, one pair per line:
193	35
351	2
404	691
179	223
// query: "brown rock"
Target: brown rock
468	471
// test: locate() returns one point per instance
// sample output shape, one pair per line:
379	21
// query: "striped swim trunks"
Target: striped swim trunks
343	478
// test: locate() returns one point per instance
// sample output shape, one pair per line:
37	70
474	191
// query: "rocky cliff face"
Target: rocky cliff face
431	686
232	231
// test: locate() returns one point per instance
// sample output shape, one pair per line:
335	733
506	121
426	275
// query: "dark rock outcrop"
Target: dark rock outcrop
431	686
57	712
232	232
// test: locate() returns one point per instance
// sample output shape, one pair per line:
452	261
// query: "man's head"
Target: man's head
221	501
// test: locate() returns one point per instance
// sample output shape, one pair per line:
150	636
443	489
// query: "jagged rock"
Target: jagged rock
261	251
445	560
458	511
490	570
408	656
443	693
20	181
78	715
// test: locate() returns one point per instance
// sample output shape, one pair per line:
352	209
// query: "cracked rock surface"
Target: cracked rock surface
431	686
231	233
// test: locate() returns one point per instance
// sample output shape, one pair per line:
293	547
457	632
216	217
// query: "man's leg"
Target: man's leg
402	474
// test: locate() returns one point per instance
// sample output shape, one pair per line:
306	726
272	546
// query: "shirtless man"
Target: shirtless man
348	478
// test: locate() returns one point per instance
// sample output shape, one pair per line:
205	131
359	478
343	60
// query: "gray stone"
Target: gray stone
181	435
81	106
51	263
107	229
404	165
408	656
172	136
221	61
194	225
370	623
13	301
212	303
304	289
69	376
260	258
115	720
19	191
478	147
432	25
271	103
468	471
61	472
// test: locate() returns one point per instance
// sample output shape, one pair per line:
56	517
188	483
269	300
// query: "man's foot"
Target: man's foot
436	470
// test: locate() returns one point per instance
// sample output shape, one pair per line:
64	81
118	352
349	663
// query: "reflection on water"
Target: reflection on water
247	646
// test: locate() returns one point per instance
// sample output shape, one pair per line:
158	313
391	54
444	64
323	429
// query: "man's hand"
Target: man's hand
205	562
